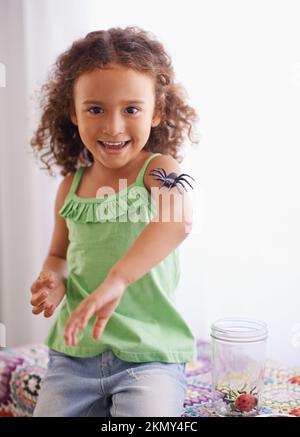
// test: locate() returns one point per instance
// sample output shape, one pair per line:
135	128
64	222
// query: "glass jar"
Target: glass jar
238	364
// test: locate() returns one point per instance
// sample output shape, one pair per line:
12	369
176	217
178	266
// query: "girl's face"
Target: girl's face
114	104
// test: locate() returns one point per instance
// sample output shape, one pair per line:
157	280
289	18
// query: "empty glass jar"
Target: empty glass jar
238	363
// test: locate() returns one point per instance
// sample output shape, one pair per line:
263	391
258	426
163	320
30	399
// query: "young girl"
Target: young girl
113	119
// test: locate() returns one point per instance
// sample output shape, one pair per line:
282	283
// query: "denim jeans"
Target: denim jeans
105	386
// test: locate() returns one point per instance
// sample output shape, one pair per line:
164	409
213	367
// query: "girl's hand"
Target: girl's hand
47	293
101	303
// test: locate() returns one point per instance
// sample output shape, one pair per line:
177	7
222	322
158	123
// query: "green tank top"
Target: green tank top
145	326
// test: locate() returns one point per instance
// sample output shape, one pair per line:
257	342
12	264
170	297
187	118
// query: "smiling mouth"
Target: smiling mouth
119	145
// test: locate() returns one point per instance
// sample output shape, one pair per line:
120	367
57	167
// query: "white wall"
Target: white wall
240	64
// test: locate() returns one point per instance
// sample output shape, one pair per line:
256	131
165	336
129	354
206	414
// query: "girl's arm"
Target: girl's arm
164	233
49	288
56	259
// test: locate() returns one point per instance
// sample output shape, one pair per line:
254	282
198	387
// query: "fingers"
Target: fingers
86	317
39	298
40	291
78	320
74	334
99	327
71	331
49	311
44	280
38	309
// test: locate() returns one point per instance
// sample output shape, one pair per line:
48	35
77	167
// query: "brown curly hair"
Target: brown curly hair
57	141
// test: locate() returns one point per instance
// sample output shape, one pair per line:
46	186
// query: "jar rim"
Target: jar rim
239	329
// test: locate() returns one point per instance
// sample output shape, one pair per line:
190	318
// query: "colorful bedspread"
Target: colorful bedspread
281	393
22	370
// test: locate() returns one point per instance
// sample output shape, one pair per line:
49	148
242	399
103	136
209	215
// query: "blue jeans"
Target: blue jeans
105	386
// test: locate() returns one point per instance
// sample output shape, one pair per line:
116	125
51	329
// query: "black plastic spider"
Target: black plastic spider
171	180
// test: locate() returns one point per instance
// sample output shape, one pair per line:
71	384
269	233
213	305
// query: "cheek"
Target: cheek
87	127
143	127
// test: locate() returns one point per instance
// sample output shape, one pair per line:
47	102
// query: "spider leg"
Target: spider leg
163	171
156	173
174	184
182	179
181	192
184	174
159	178
179	182
163	184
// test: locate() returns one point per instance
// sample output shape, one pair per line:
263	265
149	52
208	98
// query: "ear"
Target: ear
73	114
156	119
158	112
74	119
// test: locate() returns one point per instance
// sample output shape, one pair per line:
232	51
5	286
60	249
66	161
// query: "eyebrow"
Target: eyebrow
90	102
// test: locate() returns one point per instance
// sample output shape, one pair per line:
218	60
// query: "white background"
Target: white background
240	63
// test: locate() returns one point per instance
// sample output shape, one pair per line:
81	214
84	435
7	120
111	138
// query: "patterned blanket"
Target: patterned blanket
22	370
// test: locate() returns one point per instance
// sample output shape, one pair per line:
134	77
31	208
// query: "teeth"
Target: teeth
113	144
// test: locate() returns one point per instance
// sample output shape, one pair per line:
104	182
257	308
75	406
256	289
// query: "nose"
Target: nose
113	125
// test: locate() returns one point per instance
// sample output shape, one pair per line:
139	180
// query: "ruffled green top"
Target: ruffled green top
146	325
133	201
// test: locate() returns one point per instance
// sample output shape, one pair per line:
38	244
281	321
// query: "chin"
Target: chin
116	162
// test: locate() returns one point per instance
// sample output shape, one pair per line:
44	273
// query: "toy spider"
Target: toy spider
171	180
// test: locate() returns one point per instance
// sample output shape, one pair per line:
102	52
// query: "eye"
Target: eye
94	110
132	107
98	110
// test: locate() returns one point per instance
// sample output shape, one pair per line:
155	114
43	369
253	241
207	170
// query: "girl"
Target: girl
112	114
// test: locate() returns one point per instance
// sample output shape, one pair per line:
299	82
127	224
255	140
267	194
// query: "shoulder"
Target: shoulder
167	162
175	204
66	183
63	189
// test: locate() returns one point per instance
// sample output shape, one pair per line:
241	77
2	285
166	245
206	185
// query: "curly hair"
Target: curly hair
57	141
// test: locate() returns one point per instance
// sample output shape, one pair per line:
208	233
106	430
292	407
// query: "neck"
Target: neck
97	169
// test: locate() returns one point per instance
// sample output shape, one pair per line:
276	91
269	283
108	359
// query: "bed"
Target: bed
22	370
